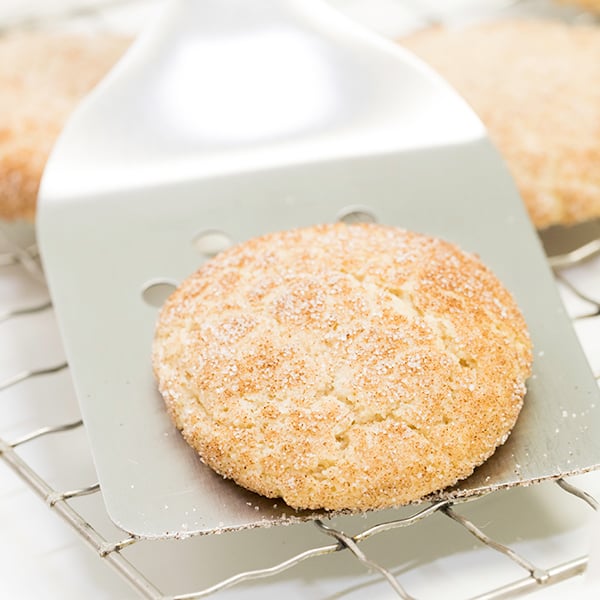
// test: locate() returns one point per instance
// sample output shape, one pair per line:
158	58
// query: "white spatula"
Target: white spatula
237	118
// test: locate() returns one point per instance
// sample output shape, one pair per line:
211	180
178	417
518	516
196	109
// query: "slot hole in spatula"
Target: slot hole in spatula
210	242
155	292
356	214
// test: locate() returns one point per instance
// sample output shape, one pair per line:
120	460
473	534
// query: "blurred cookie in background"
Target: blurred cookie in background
591	5
536	86
42	78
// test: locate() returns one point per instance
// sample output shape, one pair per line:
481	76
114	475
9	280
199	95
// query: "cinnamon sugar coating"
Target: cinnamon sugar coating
343	367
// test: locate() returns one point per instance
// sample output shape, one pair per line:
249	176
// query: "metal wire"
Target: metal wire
348	542
575	256
540	575
85	491
579	493
27	257
260	573
42	431
104	548
28	310
390	525
556	574
582	296
8	259
19	377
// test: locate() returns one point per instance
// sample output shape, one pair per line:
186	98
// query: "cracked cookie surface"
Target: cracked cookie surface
343	367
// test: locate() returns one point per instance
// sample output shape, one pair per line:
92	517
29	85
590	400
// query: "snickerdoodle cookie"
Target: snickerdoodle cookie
42	78
536	86
343	366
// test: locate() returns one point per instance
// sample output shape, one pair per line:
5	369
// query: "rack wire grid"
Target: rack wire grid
52	448
113	550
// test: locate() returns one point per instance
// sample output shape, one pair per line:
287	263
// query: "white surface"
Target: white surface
40	557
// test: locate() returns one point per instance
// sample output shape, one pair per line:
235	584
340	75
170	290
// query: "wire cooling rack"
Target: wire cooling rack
45	455
114	548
